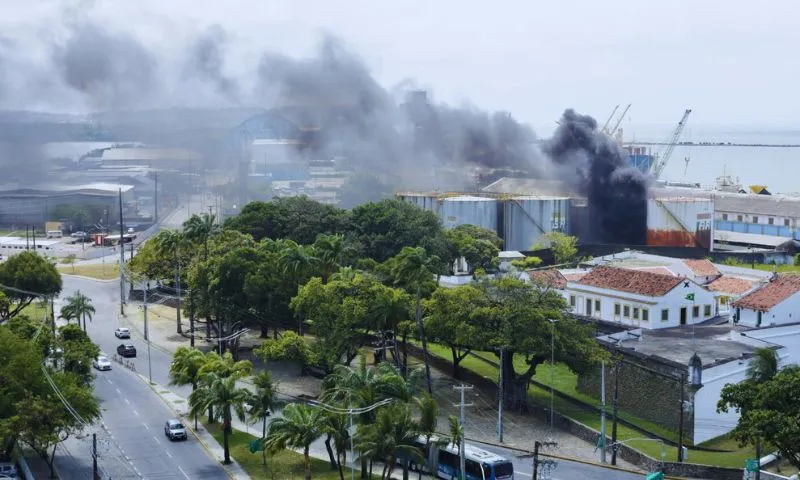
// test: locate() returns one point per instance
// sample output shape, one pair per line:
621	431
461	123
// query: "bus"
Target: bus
479	464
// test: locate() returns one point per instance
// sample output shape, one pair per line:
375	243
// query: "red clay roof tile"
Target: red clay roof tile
548	278
732	285
631	281
770	294
702	268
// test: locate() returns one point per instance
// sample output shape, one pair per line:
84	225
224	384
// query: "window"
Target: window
572	300
785	222
597	305
665	315
626	311
695	311
755	219
771	221
645	315
636	313
617	308
739	218
707	310
724	216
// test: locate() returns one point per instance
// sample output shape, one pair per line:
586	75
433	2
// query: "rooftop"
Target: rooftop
731	285
548	278
770	294
529	186
713	343
776	205
630	281
98	188
133	154
702	268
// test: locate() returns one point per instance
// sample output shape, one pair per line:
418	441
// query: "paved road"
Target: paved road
133	414
105	296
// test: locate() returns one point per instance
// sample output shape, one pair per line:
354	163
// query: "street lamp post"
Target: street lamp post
350	412
552	364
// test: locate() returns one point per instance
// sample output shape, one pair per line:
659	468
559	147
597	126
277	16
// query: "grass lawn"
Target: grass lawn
768	267
565	381
99	271
280	466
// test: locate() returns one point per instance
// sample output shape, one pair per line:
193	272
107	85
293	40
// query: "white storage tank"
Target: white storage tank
683	221
425	201
526	218
469	210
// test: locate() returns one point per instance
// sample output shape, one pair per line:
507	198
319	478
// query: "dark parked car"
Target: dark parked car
126	350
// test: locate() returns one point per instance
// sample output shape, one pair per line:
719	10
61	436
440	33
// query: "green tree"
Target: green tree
297	427
763	366
262	403
456	435
427	423
479	247
299	219
333	252
415	267
527	263
79	352
199	229
174	246
268	292
29	277
563	246
185	368
393	435
78	306
289	347
220	394
768	412
454	318
384	228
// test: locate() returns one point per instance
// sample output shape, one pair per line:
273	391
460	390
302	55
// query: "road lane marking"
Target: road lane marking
523	473
145	426
157	440
118	391
109	381
127	401
136	413
169	454
184	473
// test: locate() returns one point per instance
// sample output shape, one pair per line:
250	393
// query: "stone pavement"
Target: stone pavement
519	430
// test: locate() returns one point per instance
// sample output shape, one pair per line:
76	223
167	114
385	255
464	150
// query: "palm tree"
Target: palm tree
427	423
391	307
185	368
336	431
393	435
415	267
220	394
224	366
298	426
333	251
298	263
262	403
456	435
78	306
172	244
761	369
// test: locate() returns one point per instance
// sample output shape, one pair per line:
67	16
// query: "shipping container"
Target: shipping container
526	218
469	210
679	221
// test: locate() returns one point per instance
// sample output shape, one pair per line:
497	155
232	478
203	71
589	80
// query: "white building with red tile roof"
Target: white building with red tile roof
776	303
640	298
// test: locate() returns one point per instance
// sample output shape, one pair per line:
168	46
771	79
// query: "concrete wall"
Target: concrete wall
708	423
673	301
787	336
786	312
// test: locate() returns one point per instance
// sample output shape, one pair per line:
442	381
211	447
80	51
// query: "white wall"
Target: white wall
708	423
673	301
788	337
788	311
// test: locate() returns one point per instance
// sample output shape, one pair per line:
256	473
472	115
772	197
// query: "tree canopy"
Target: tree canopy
25	277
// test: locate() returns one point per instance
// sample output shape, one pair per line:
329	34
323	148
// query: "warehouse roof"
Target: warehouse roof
776	205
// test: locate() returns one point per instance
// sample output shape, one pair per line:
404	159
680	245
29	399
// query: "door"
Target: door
683	315
588	307
759	319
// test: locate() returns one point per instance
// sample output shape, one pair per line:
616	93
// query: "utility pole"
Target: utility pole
178	289
602	443
680	425
500	399
27	238
462	467
147	332
53	317
95	476
155	202
33	236
614	412
191	319
121	260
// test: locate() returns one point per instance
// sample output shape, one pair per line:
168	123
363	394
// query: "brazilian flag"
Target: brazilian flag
690	297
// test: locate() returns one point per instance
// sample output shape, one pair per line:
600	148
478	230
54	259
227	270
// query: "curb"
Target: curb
140	334
142	378
84	277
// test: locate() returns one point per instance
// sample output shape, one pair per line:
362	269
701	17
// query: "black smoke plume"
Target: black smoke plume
592	162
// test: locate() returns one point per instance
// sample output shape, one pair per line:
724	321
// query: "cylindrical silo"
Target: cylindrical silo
425	201
526	218
679	221
469	210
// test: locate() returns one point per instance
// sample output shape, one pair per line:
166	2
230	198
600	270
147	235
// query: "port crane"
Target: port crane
661	162
612	131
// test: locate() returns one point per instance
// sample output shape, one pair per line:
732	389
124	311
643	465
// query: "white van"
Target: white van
54	234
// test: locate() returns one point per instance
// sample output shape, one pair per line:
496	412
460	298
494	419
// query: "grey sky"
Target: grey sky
733	62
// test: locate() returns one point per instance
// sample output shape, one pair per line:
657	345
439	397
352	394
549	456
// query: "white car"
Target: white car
122	332
101	363
174	430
